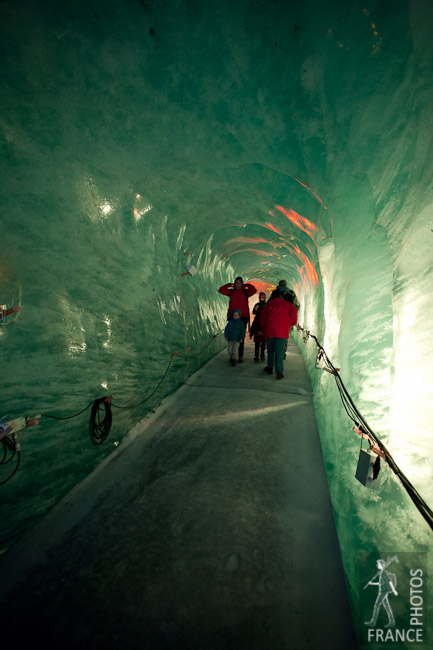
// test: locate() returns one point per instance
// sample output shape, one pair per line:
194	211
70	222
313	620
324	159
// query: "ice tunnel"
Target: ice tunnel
268	140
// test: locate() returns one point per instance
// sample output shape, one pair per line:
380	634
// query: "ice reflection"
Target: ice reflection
107	321
411	404
106	208
231	416
77	348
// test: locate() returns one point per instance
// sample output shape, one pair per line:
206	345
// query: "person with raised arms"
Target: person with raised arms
238	292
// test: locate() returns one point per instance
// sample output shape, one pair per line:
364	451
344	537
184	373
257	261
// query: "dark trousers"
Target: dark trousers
259	347
276	353
241	345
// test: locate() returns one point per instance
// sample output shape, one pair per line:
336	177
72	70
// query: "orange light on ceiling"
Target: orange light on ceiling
309	224
298	221
271	227
261	285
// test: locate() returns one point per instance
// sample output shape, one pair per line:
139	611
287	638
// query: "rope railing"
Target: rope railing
364	430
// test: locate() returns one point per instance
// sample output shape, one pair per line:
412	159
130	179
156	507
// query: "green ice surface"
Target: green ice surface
136	131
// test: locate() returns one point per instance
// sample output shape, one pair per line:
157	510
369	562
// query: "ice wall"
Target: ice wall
270	140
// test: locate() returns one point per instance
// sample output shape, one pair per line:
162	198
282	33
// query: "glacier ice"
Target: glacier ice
268	140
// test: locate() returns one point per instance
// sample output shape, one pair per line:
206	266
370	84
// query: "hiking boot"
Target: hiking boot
280	375
240	360
233	362
256	359
268	370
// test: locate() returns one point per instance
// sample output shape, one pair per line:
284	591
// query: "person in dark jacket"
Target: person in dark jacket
239	293
288	294
259	339
234	334
276	319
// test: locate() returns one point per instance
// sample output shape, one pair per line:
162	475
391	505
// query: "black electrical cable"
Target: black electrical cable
10	445
69	417
99	429
152	393
360	422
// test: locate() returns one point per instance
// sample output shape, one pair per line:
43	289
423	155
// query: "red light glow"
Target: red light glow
248	240
309	267
271	227
260	285
303	278
298	220
311	192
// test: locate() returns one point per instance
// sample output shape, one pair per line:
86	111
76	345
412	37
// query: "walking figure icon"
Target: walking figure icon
386	583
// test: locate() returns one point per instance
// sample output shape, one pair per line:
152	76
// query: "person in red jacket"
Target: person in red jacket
239	293
276	319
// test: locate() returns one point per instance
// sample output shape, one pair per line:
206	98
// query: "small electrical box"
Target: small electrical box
365	471
191	269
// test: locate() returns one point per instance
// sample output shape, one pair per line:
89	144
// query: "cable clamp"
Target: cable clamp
331	371
373	445
5	312
319	359
306	335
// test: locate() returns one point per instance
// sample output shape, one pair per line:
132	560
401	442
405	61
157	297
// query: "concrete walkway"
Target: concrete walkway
209	528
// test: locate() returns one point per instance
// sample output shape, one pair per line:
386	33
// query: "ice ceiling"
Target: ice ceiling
270	140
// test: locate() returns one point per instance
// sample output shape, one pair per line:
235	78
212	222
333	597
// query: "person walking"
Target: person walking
287	294
276	319
238	292
259	339
234	334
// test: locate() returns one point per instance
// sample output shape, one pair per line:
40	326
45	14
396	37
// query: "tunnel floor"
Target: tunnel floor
210	528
